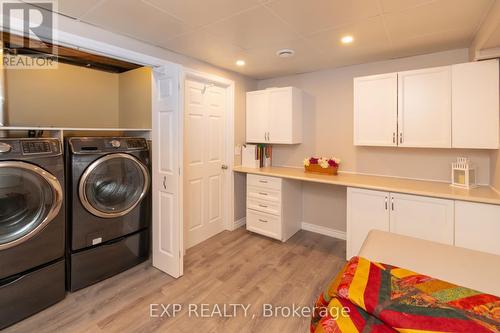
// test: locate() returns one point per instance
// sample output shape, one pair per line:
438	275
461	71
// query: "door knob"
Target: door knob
224	167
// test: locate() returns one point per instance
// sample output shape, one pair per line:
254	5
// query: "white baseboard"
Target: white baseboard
239	223
324	231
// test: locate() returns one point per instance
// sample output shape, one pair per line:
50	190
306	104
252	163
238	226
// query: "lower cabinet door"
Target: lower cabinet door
264	224
422	217
366	210
477	226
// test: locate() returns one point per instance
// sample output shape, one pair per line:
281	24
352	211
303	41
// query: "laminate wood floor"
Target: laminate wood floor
230	268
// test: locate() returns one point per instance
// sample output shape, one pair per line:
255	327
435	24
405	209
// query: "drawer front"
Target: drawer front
26	294
264	206
264	224
272	183
108	259
263	194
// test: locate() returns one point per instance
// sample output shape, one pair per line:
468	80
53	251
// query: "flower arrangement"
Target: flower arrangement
322	165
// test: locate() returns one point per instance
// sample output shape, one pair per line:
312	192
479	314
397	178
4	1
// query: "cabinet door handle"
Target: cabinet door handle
392	203
262	193
165	182
263	206
386	203
263	181
393	137
401	137
261	220
268	136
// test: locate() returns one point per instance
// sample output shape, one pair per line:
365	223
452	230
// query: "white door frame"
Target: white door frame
229	85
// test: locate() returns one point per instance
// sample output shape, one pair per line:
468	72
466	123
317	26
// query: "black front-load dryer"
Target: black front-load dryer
32	227
110	213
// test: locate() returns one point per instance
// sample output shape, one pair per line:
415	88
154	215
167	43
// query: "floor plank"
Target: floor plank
236	267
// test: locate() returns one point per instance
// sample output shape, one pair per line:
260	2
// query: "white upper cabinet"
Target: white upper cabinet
274	116
476	105
424	108
375	110
443	107
256	114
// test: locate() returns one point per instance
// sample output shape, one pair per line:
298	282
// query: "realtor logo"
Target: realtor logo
28	34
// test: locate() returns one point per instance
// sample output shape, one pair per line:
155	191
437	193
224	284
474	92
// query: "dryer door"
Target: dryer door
30	198
113	185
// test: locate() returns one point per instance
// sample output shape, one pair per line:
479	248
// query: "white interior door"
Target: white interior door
204	157
166	186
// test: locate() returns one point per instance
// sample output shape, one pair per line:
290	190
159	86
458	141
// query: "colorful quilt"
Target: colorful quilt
373	297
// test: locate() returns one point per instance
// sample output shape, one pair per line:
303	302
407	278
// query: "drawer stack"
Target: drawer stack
274	206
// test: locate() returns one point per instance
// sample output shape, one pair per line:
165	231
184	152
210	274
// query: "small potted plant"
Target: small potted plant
322	165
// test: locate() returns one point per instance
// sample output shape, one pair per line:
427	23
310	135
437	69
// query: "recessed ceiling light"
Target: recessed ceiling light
240	62
347	39
285	53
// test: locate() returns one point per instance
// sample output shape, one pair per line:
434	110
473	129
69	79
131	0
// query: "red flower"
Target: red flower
332	163
313	160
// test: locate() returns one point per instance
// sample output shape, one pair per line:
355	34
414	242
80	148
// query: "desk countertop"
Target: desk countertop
482	194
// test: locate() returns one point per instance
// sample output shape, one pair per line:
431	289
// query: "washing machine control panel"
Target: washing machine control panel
35	147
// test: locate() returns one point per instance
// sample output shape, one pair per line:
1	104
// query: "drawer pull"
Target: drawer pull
262	193
263	206
263	181
261	220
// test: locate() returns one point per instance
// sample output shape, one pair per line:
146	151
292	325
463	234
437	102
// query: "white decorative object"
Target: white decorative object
463	173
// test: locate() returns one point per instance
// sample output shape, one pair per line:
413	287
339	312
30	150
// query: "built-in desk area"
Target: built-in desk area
423	209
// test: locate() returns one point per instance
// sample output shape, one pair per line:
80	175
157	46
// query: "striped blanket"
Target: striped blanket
373	297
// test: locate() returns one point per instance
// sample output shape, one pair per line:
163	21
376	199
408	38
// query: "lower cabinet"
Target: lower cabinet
274	206
422	217
366	210
416	216
477	226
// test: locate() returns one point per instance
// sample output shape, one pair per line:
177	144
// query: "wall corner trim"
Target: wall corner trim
324	231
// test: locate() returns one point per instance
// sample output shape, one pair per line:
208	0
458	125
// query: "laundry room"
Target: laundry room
75	182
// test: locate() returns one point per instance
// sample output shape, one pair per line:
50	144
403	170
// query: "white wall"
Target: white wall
69	96
135	98
328	128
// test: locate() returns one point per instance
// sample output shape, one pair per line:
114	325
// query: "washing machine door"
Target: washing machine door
30	198
113	185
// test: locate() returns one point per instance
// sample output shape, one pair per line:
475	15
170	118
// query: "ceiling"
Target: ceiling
223	31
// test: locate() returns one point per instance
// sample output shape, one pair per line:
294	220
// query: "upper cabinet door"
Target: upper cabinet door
375	110
257	116
475	105
424	108
285	108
